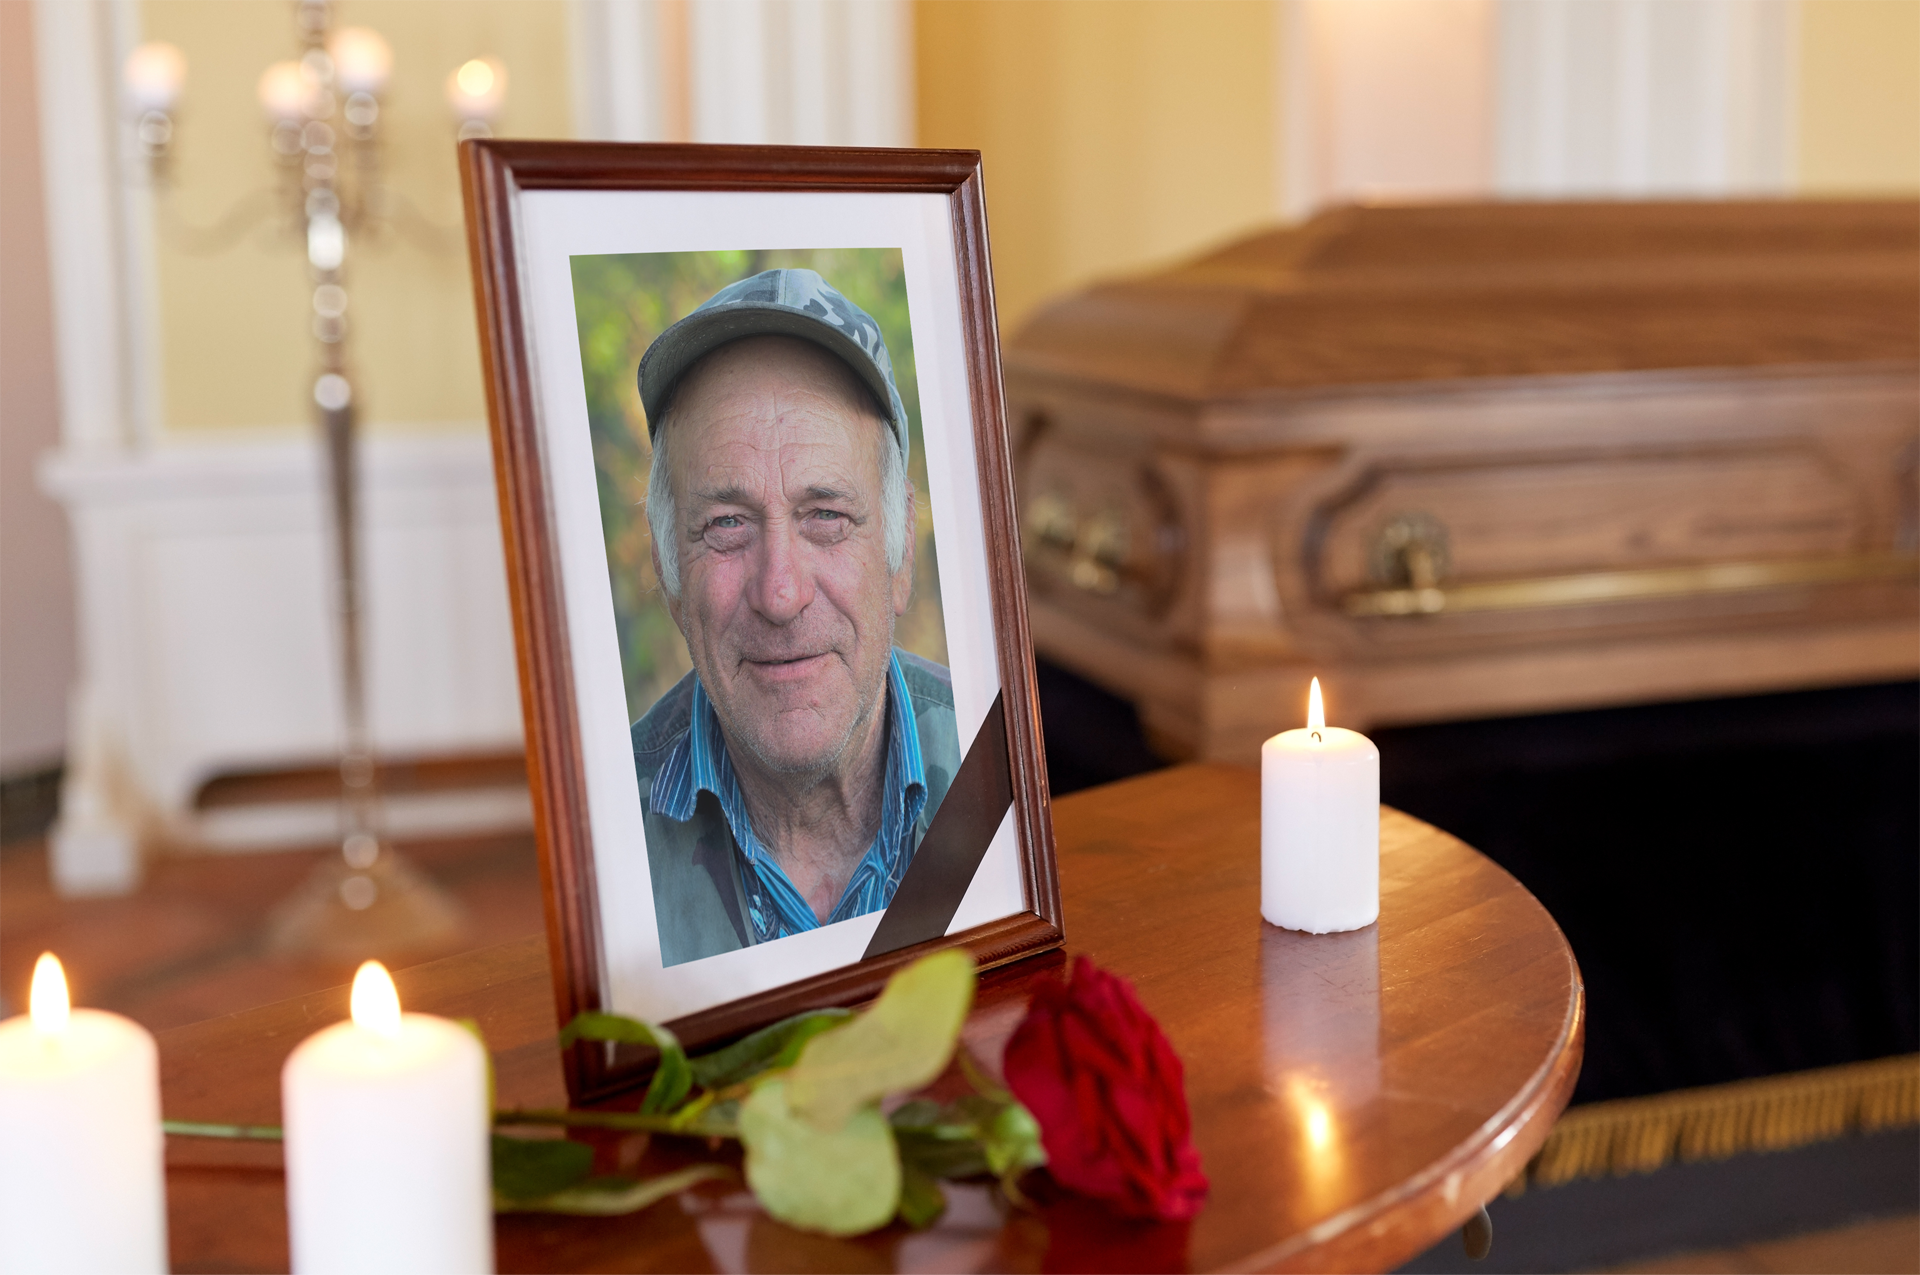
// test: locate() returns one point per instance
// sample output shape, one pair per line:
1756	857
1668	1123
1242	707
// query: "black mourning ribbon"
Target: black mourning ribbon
956	841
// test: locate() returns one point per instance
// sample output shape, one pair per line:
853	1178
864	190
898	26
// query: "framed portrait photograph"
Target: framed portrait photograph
758	508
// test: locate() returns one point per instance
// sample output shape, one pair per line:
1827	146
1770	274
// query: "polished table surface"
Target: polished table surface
1355	1096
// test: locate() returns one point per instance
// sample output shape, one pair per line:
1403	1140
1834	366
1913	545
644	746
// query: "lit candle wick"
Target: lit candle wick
48	1003
1316	712
375	1002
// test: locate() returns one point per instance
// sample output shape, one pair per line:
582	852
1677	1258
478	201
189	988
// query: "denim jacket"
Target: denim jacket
698	893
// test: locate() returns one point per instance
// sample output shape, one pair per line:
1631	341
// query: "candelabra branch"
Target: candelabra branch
421	230
232	228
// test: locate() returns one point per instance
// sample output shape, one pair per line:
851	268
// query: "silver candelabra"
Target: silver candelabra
325	113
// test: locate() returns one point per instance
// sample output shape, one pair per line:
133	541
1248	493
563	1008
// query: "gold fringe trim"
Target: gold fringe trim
1772	1113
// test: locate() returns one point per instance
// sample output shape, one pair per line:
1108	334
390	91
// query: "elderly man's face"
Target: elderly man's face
785	597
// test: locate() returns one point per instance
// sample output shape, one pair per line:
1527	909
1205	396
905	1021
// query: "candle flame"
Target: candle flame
1316	712
475	77
287	91
48	1002
478	89
376	1005
362	59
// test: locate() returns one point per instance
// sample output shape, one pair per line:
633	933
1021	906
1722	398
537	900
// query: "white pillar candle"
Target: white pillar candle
1319	826
82	1172
387	1128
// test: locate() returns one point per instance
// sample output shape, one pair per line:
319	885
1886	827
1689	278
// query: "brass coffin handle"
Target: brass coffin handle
1091	552
1587	587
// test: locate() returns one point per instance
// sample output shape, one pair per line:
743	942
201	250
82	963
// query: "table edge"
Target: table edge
1460	1182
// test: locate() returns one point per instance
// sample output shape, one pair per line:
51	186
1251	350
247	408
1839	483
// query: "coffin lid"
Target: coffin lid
1371	294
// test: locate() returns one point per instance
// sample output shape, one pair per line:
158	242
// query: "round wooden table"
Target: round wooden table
1355	1096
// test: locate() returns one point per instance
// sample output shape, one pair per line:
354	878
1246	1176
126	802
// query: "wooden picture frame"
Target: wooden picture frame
516	193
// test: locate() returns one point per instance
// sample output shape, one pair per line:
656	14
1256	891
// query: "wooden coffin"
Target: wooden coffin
1476	460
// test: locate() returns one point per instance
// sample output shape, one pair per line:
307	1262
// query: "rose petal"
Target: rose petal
1109	1093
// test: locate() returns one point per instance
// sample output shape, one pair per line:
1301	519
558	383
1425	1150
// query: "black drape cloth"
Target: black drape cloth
1739	878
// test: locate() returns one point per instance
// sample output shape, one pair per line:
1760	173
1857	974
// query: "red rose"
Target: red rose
1098	1074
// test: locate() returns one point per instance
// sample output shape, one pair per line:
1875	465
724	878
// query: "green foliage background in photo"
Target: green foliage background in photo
621	303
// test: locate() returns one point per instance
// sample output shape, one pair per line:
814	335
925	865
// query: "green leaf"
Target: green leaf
527	1168
968	1136
983	1083
967	1110
201	1129
1011	1140
921	1113
612	1194
921	1199
765	1050
972	1135
940	1156
842	1182
709	1120
625	1121
671	1079
698	1119
902	1042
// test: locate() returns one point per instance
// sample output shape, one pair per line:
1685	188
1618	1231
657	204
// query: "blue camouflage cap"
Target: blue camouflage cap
797	303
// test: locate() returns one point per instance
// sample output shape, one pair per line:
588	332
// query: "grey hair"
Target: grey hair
663	520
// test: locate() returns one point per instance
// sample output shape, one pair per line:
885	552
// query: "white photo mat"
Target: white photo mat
556	225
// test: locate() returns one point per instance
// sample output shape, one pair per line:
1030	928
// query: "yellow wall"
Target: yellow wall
1859	96
234	321
1113	135
1117	134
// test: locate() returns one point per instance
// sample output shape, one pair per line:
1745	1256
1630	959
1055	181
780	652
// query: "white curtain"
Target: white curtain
1426	99
1646	97
810	72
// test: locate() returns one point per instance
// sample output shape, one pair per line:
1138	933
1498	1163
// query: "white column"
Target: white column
878	109
814	68
801	72
1762	137
807	72
618	77
729	57
100	266
1633	104
86	238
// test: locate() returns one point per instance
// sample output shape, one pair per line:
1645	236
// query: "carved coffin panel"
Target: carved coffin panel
1494	520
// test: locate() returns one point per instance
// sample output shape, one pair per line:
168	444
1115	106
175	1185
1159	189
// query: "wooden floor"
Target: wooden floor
1886	1246
190	944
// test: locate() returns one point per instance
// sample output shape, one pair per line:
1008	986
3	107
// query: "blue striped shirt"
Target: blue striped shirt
775	908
